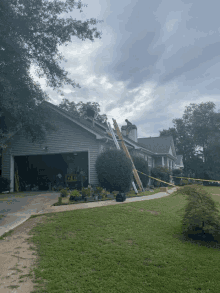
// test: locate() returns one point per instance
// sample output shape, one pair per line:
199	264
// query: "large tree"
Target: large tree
30	32
205	123
197	128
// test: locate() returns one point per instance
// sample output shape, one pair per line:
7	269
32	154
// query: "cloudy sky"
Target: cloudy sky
154	58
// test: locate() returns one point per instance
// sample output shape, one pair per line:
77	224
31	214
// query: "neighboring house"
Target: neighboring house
179	162
76	146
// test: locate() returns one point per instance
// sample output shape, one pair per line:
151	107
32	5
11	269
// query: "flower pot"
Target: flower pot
120	197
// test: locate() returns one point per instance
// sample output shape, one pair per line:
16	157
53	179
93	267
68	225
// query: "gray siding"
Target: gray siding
69	138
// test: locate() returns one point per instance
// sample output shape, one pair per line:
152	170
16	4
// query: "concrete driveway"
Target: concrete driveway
18	209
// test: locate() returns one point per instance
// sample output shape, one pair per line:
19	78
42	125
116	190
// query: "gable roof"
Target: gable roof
99	128
179	159
79	120
151	145
160	145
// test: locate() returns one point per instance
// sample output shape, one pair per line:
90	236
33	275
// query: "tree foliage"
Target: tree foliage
30	32
201	220
114	170
162	173
197	128
80	109
142	166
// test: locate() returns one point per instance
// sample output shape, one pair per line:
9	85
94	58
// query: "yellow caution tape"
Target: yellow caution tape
157	179
197	179
177	177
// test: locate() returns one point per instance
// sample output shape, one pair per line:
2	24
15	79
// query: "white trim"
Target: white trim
162	161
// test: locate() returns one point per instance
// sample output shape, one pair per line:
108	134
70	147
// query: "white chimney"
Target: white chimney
132	132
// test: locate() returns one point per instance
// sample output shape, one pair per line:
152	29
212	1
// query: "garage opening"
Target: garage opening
44	172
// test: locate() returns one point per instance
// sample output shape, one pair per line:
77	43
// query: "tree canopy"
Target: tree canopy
30	32
198	127
80	109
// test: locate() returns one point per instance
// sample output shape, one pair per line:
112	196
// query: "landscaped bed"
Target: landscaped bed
67	201
134	247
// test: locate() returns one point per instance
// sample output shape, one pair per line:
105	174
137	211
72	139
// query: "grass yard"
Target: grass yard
132	247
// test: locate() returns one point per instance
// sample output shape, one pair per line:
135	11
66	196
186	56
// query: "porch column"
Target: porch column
162	161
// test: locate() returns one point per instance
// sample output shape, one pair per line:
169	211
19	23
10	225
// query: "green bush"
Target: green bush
201	214
142	166
73	194
177	172
60	200
86	191
161	173
185	182
64	192
114	170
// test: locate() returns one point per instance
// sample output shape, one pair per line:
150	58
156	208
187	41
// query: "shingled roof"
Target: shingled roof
154	145
159	145
82	120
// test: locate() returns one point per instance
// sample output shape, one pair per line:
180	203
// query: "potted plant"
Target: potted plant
75	195
85	192
64	192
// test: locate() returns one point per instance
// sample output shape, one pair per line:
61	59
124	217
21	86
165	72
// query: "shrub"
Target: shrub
60	187
74	193
161	173
201	214
4	184
157	183
64	192
59	200
142	166
177	172
114	170
98	190
185	182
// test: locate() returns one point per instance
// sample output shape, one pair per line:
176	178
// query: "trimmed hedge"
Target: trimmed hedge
114	170
161	173
142	166
201	219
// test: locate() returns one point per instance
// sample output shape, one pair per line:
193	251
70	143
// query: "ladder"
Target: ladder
127	154
118	147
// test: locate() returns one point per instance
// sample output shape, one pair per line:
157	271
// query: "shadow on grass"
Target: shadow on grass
206	240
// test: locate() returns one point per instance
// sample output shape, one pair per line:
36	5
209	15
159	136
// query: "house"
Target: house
74	147
179	162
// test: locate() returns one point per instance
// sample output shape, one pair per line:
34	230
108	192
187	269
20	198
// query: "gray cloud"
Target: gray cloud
154	58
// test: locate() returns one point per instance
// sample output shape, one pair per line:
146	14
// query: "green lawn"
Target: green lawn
132	247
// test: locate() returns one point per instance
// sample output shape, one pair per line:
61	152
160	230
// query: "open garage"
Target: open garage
44	172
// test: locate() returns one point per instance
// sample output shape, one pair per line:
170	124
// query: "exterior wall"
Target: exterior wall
69	138
158	161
